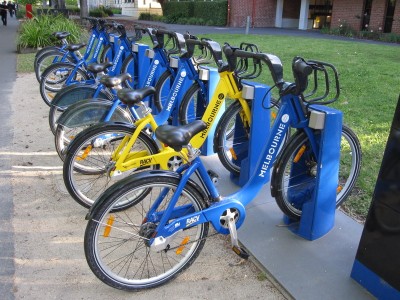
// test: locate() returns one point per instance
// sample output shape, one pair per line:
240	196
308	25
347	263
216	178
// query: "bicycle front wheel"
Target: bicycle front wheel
88	162
116	243
295	177
232	135
163	87
193	105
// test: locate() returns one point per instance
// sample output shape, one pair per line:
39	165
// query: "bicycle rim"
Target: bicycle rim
115	242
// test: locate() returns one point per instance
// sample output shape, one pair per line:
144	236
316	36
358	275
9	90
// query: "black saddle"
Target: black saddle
61	34
97	68
74	47
133	97
113	81
178	136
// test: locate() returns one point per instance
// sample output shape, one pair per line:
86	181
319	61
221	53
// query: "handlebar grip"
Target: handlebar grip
301	71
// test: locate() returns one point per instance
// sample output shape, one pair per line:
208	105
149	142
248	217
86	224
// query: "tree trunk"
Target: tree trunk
84	8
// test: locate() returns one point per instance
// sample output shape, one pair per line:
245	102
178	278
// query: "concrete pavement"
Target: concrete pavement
7	79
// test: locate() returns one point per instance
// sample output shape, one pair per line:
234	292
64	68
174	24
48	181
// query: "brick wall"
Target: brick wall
263	14
347	11
378	12
396	19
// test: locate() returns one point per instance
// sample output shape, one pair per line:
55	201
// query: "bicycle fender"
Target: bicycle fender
92	111
137	176
67	97
278	163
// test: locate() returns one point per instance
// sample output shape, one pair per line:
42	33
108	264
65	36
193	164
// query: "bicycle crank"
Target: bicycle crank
228	220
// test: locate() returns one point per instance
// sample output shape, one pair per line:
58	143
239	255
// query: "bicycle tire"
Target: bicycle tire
47	59
349	154
48	91
149	269
41	52
129	66
106	54
75	93
193	105
83	115
85	172
163	86
225	133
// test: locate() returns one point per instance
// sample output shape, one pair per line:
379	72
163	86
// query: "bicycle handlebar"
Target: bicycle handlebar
301	71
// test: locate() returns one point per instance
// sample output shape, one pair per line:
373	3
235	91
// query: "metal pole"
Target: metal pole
247	24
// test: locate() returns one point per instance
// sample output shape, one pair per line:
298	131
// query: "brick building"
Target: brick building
376	15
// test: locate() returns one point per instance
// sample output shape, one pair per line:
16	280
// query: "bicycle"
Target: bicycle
61	74
98	40
68	126
99	149
165	229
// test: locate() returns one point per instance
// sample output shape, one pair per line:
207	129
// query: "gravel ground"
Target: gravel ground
49	228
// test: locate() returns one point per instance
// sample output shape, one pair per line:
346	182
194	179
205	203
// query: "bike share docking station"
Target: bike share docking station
376	265
318	202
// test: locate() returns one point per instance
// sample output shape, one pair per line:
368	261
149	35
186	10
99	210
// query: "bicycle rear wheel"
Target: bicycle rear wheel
47	59
69	96
54	77
292	187
88	161
116	243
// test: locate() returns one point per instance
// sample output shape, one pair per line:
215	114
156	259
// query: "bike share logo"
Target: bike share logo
192	220
176	90
98	47
274	147
212	115
92	41
121	49
145	162
153	70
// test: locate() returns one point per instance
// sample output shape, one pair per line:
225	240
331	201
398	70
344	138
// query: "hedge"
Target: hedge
173	11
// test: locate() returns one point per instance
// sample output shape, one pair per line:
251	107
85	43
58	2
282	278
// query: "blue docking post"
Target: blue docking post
212	77
318	210
143	62
247	152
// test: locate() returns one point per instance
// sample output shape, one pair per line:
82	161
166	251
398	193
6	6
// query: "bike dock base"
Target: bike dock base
302	269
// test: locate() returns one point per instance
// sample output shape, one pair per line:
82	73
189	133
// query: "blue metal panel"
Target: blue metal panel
373	283
318	211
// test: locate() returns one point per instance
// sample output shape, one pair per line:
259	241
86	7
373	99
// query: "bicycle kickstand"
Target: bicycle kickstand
230	219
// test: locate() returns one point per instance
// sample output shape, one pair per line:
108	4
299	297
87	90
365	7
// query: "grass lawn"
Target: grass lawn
370	87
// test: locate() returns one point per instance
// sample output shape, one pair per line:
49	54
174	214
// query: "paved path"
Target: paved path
7	78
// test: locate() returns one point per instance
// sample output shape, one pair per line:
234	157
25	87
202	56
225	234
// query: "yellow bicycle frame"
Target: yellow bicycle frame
126	160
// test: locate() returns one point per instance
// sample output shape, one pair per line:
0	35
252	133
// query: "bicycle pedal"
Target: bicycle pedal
241	252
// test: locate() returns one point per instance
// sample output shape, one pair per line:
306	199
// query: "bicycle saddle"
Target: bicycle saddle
133	97
113	81
74	47
178	136
97	68
61	34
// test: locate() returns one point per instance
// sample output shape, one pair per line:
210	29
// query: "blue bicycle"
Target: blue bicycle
164	230
95	51
61	74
